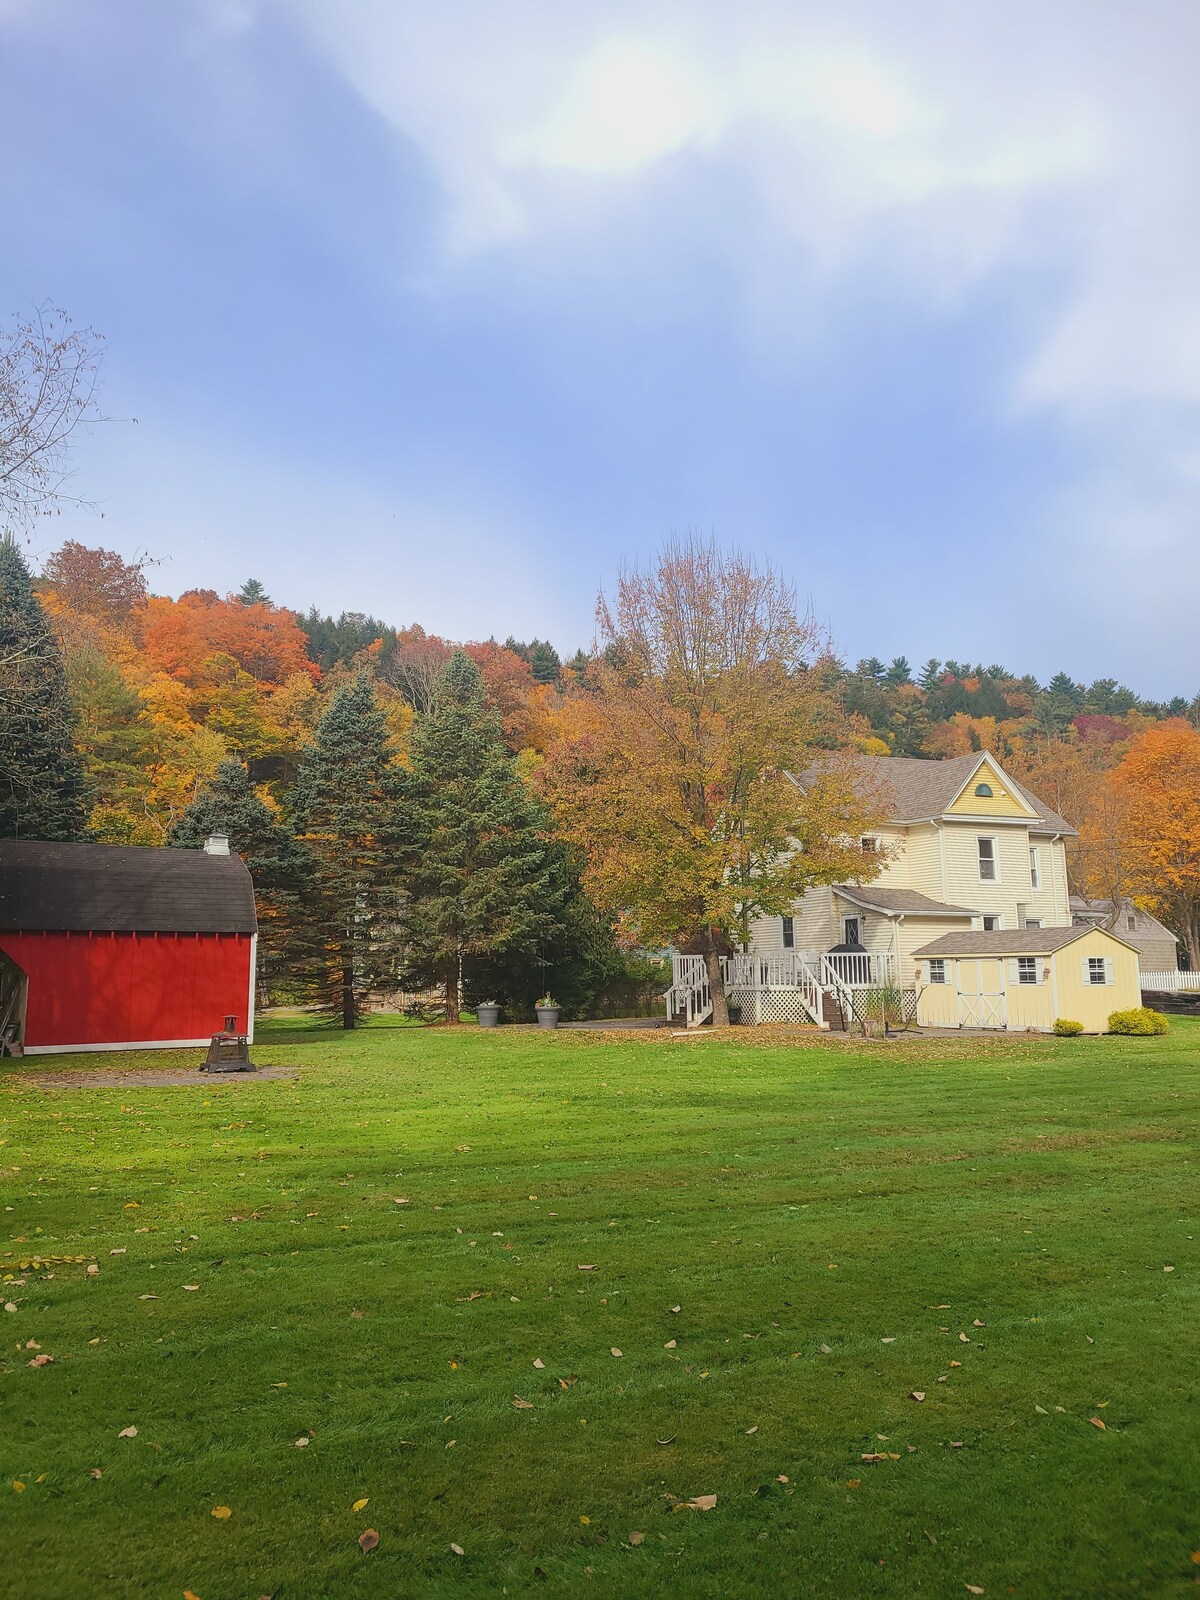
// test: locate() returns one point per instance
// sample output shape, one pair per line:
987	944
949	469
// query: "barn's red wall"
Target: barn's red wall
109	988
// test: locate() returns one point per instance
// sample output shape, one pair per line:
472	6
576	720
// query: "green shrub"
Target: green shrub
1066	1029
1141	1022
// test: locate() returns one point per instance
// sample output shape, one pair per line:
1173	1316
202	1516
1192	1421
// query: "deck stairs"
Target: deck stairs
792	987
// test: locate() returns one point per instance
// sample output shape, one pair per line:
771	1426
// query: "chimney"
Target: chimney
217	844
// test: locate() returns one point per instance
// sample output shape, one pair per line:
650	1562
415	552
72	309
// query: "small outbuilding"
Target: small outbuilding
1022	978
115	947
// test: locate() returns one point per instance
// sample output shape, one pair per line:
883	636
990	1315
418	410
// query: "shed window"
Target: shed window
937	969
1027	969
984	791
987	860
789	933
1098	970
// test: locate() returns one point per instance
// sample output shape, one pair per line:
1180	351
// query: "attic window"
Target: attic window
984	791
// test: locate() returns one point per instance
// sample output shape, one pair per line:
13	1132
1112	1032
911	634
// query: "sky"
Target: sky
444	312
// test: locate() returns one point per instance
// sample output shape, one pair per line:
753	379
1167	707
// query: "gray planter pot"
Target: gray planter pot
547	1016
489	1016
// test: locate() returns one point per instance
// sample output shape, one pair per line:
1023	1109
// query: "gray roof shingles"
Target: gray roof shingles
920	789
1007	942
873	897
105	888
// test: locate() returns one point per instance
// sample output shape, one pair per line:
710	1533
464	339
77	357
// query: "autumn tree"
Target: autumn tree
345	812
481	879
1147	836
96	583
676	776
49	375
43	788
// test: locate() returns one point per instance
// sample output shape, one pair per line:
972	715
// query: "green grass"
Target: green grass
786	1198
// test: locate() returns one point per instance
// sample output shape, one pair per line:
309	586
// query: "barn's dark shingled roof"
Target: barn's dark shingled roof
108	888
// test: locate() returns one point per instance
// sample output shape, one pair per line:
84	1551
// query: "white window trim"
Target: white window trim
995	843
1086	972
1035	868
940	963
993	917
1038	971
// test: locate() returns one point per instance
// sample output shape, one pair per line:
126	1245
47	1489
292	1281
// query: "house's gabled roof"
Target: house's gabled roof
1099	909
106	888
920	789
1012	942
895	902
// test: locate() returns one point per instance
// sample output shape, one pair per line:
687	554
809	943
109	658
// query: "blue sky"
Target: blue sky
442	312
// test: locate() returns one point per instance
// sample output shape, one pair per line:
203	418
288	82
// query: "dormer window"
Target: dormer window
984	791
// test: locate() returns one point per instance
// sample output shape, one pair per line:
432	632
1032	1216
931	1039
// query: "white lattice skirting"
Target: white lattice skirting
771	1005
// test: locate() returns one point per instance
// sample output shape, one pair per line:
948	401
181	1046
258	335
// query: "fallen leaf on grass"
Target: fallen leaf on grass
956	1363
964	1338
147	1297
400	1200
1098	1422
1041	1411
301	1442
367	1540
9	1306
96	1472
917	1394
978	1324
701	1502
18	1486
40	1361
128	1433
521	1405
539	1363
119	1251
670	1344
854	1483
671	1440
189	1595
880	1455
360	1505
825	1350
676	1309
614	1351
636	1538
588	1268
754	1429
93	1270
458	1550
222	1513
357	1315
189	1286
973	1588
781	1478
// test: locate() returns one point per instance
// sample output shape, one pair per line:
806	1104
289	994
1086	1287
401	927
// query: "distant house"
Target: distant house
1156	945
110	947
964	847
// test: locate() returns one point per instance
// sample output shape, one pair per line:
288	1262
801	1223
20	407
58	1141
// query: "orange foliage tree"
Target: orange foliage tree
674	774
1149	833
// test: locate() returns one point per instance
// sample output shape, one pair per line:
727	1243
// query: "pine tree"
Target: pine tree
252	593
480	877
44	792
278	863
544	662
345	812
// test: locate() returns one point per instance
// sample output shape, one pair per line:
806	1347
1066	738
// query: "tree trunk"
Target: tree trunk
349	1010
716	979
451	992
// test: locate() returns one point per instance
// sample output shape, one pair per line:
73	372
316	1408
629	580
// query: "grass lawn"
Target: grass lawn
784	1244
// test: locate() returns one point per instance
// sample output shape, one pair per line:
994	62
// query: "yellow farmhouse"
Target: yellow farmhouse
1028	978
966	855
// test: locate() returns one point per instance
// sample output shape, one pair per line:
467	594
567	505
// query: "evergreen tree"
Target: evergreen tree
252	593
345	813
278	863
44	792
899	672
480	877
931	673
544	662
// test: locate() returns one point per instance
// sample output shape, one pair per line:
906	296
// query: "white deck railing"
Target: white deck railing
1170	982
858	969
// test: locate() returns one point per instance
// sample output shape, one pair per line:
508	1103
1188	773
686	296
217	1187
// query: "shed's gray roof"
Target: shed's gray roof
107	888
920	789
1010	942
874	897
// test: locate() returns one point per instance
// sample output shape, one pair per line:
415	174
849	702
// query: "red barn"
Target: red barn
113	947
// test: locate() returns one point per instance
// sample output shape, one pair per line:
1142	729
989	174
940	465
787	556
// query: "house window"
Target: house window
990	924
789	933
1097	969
1027	969
987	860
937	969
1033	922
1035	870
984	791
1131	924
869	846
852	931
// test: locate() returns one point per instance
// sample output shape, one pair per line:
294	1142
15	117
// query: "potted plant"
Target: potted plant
547	1012
488	1012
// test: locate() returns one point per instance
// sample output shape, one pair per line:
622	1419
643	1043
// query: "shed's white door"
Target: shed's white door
981	994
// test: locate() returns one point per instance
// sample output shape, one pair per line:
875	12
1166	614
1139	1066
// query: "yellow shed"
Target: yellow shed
1022	978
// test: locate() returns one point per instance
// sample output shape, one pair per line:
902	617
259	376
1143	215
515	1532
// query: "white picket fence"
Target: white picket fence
1171	982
